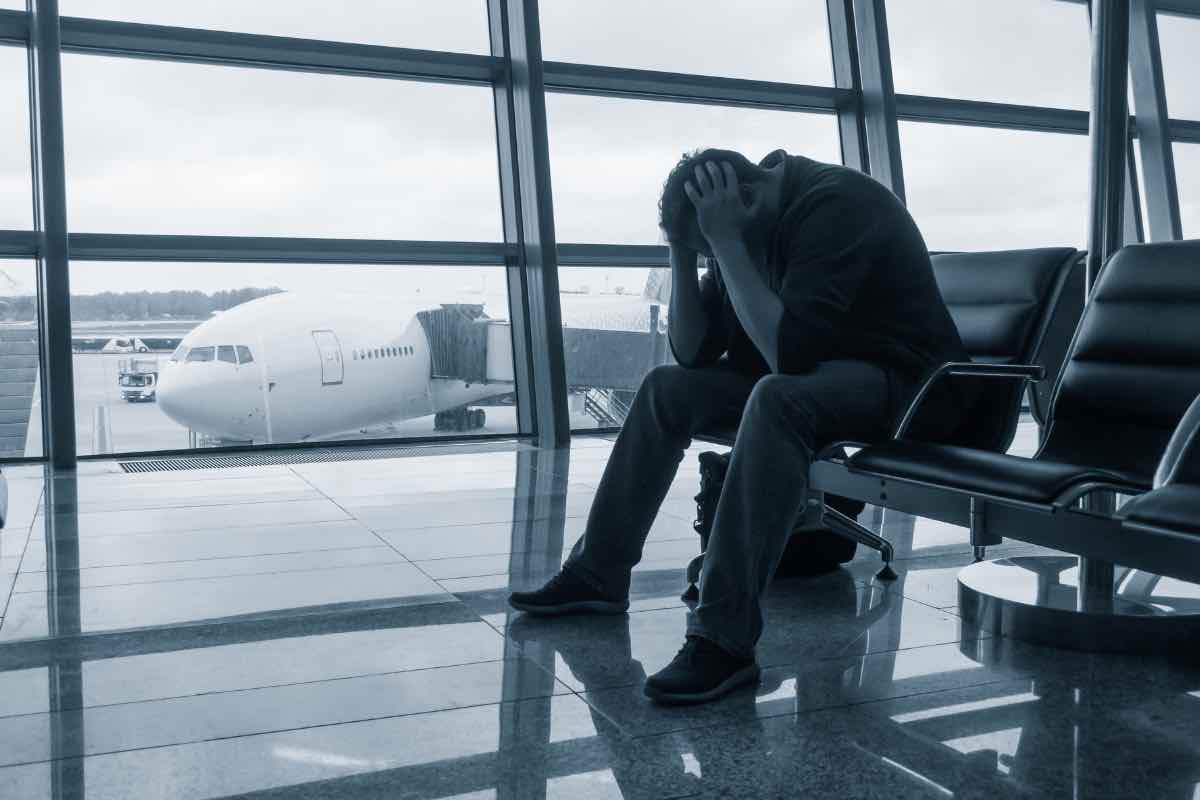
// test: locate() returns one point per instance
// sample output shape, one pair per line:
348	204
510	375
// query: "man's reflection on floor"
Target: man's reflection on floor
689	757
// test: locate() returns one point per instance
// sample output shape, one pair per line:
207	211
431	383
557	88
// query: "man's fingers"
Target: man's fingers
731	181
703	181
717	176
690	190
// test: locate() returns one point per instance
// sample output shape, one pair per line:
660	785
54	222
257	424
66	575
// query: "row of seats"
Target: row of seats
1118	421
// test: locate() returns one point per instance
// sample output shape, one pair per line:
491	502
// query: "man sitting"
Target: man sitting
815	324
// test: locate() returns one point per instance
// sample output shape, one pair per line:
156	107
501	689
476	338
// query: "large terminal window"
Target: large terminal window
257	152
973	188
16	189
773	40
265	315
1179	40
1187	171
455	25
1028	52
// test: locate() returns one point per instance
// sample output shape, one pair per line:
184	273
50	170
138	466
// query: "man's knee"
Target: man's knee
779	404
667	382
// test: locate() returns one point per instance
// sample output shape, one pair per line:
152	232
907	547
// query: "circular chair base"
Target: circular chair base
1037	599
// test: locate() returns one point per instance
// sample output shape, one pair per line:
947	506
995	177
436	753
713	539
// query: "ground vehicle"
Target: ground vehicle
123	344
138	379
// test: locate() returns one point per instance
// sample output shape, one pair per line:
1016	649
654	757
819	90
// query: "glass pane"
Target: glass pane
1179	39
772	40
986	188
157	147
20	382
1032	52
458	25
608	316
609	156
16	188
295	327
1187	175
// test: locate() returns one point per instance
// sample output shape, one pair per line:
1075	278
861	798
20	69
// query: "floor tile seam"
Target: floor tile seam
20	562
209	529
509	520
372	531
276	615
222	577
237	505
524	552
853	706
212	558
261	687
223	503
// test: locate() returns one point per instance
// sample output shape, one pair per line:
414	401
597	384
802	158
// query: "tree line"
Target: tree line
124	306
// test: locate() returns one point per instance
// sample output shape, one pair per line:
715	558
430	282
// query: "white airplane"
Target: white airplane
294	367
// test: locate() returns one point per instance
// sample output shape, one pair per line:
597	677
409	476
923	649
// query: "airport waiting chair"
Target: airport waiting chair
1131	373
1170	514
1005	305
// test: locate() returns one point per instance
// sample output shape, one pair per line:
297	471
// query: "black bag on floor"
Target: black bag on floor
810	552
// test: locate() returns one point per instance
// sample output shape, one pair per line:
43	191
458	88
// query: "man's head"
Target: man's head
677	216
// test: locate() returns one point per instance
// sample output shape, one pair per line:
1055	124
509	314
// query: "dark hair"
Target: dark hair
675	211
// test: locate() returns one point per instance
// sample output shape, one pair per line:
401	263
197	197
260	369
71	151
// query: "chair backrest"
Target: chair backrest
1002	303
1134	364
1180	462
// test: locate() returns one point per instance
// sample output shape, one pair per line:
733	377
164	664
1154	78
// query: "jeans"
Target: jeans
782	421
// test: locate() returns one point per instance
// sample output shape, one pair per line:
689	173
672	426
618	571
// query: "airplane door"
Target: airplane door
330	351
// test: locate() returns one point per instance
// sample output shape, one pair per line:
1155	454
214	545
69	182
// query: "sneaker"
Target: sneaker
566	594
701	671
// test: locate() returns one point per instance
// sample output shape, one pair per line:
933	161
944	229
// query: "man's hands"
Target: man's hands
716	195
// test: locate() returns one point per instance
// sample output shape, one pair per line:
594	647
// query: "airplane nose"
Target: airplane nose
202	398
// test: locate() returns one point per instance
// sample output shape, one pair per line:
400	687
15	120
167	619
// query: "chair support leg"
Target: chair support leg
981	536
842	525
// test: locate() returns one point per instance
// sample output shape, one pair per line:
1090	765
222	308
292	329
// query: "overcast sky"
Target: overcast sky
157	147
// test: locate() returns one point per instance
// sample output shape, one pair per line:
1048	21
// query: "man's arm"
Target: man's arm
693	325
758	308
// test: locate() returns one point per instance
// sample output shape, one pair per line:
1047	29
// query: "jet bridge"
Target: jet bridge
465	344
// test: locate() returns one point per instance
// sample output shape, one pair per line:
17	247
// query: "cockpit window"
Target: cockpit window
225	353
244	355
200	354
179	353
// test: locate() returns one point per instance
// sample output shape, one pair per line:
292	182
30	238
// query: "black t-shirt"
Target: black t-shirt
854	275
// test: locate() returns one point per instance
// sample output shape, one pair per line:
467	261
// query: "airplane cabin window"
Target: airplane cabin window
200	354
226	353
244	355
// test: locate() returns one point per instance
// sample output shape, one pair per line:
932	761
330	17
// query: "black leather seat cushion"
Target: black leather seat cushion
970	470
1176	507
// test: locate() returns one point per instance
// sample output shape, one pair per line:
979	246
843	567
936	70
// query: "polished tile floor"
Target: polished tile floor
339	630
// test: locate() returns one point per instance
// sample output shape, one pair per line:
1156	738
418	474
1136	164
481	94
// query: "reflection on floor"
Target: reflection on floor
339	631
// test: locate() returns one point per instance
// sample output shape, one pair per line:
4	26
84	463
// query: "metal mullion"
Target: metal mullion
167	248
524	151
14	26
982	113
1154	135
162	42
878	94
50	221
1108	134
569	78
852	135
613	255
18	244
1185	130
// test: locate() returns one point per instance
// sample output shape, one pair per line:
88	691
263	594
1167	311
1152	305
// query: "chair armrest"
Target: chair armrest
1022	372
1180	461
